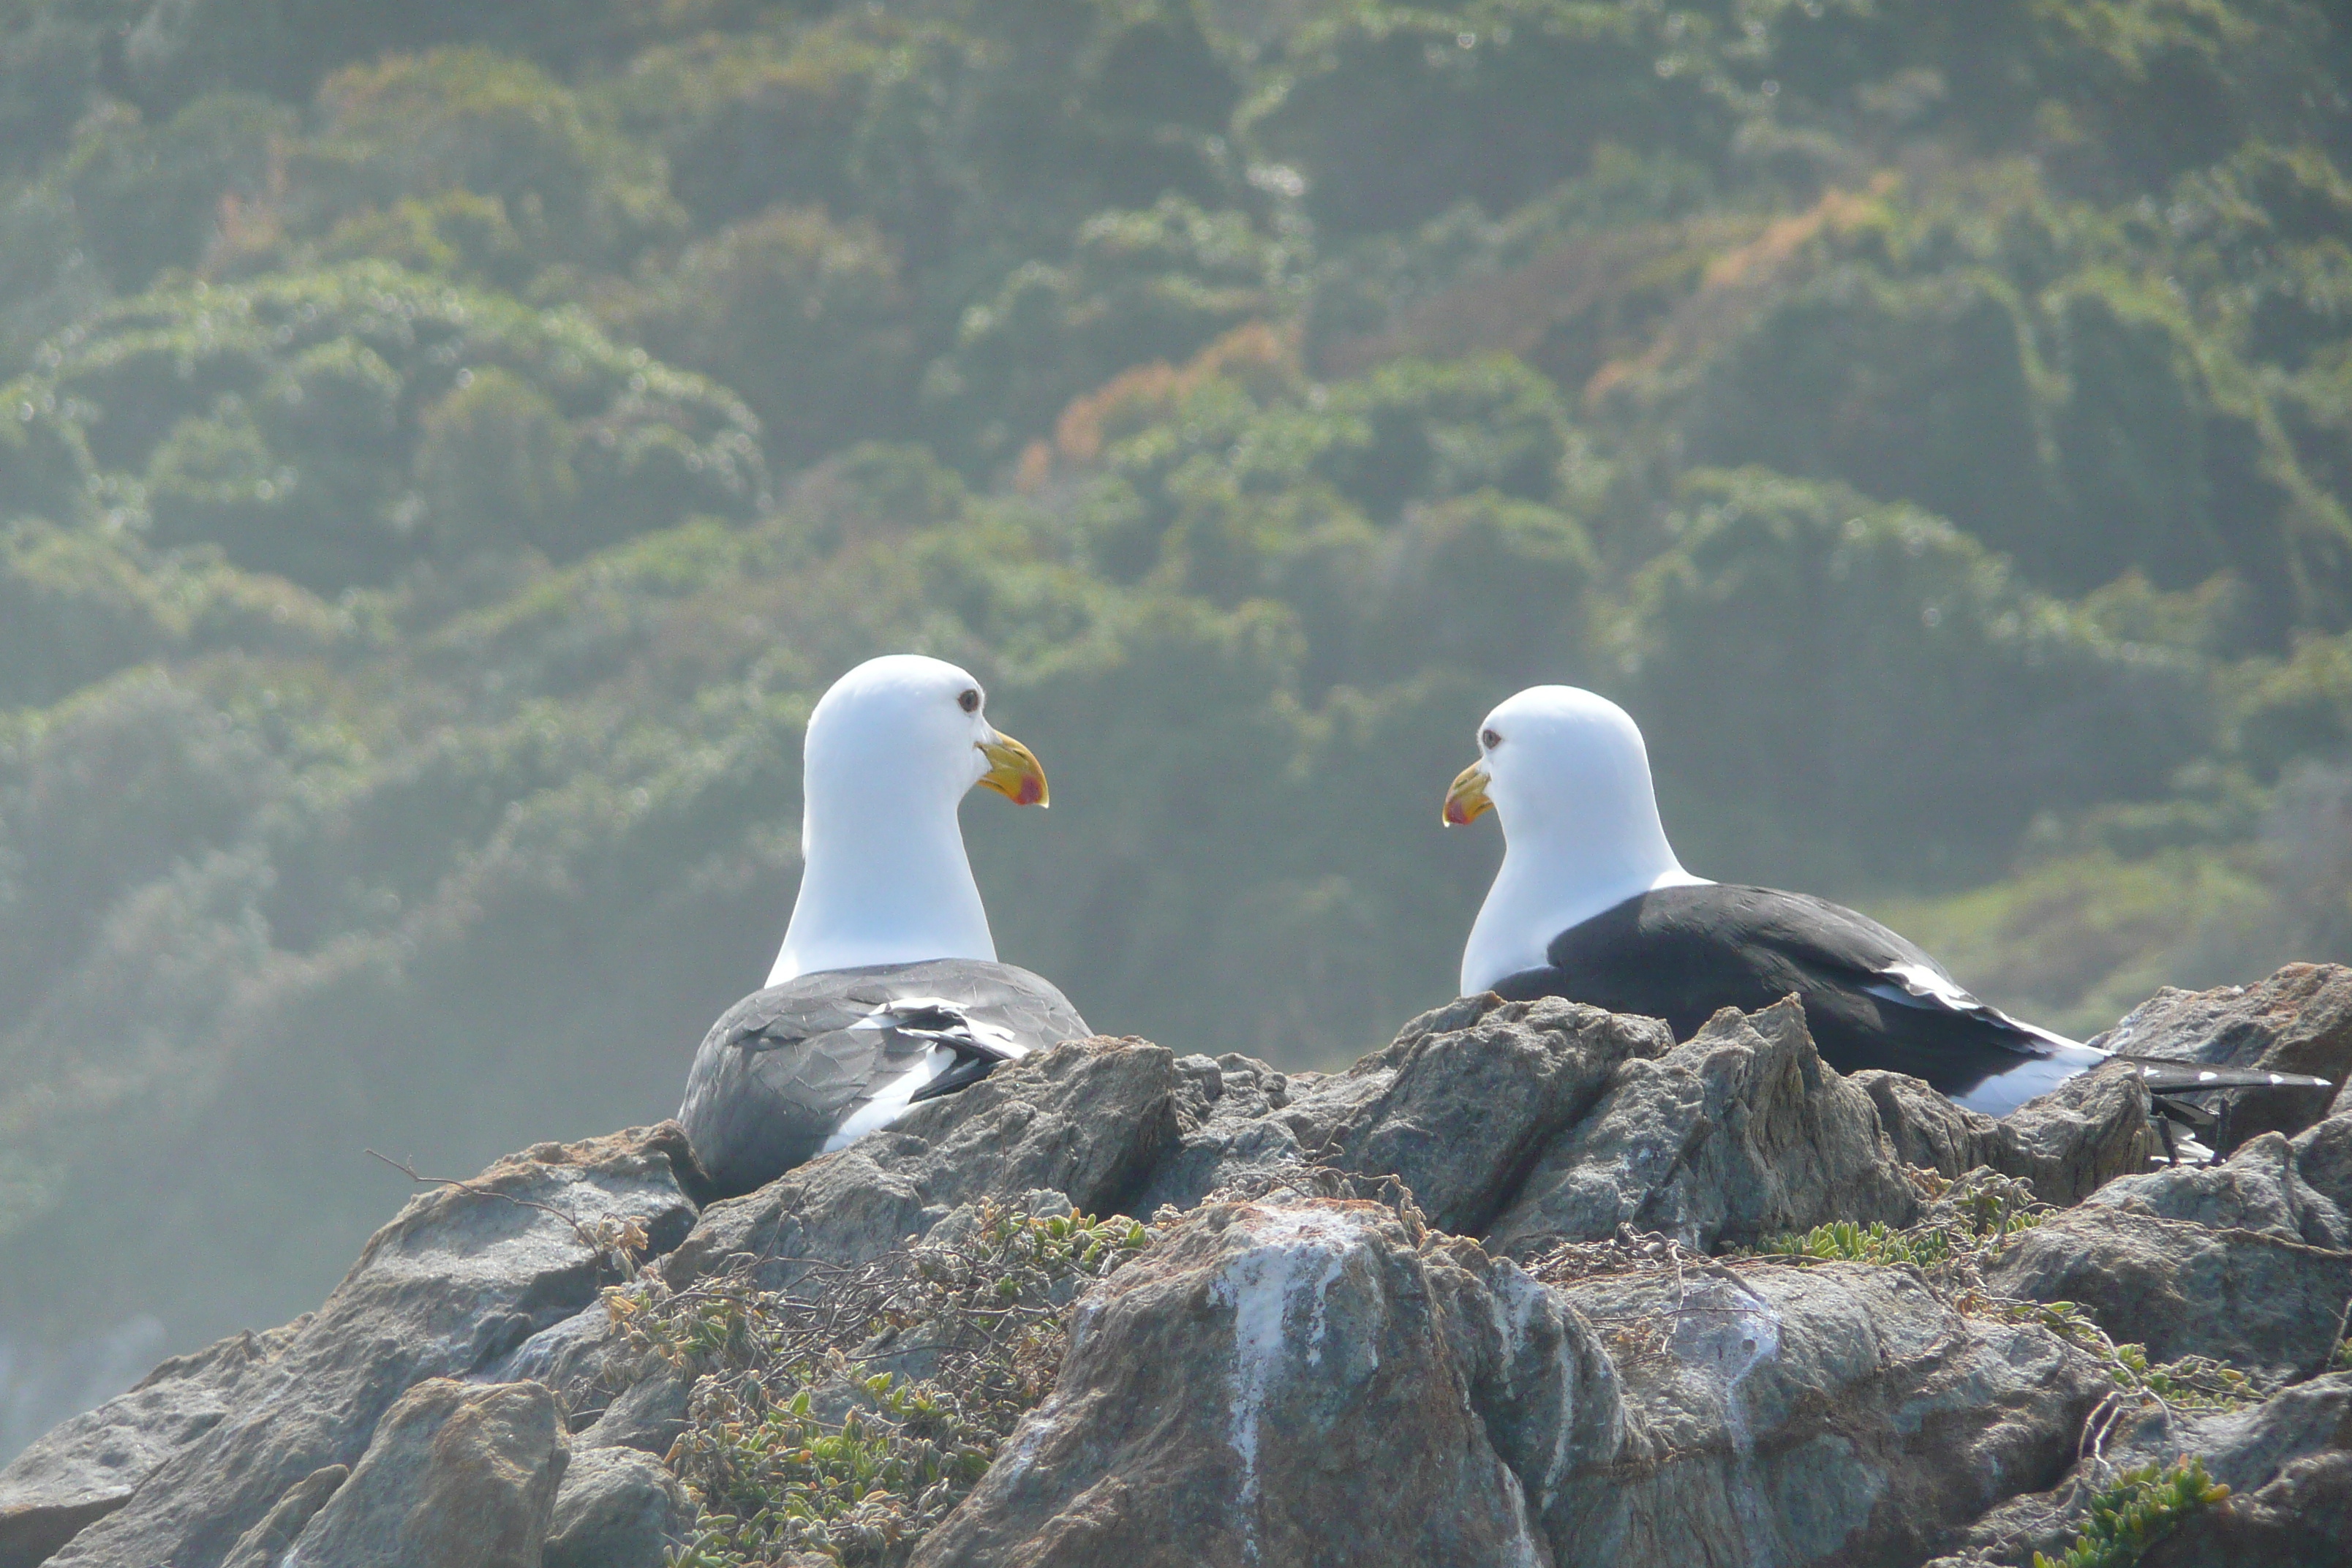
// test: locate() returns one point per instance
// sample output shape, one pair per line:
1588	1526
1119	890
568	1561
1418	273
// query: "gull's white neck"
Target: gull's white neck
1559	876
884	879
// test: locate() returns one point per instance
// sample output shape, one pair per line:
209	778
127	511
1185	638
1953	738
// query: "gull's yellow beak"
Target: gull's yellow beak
1467	801
1013	772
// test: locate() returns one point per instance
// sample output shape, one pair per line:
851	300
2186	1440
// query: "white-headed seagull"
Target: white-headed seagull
1592	905
886	992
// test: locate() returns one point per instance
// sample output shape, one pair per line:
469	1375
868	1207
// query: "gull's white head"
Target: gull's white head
1565	772
891	750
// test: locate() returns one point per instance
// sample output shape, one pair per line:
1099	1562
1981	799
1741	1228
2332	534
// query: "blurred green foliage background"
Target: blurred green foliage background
445	448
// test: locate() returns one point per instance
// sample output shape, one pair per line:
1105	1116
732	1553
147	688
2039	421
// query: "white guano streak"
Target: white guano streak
1517	1300
1297	1250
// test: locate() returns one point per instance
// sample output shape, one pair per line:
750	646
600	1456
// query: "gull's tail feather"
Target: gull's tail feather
2165	1077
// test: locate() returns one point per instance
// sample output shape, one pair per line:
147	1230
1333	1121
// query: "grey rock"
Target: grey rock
568	1354
1311	1380
617	1508
2289	1467
2323	1160
2301	1519
1790	1415
1739	1133
1301	1371
586	1357
1297	1381
2258	1188
458	1475
2299	1020
2067	1143
1226	1131
449	1287
2296	1445
647	1415
266	1544
1090	1120
1467	1097
2268	1305
87	1467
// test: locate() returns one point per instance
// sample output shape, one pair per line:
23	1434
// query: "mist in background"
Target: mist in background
444	450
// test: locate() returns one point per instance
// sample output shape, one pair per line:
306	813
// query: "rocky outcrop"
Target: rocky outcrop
1739	1133
617	1508
1484	1297
89	1466
2068	1143
1225	1399
2286	1461
1090	1120
2244	1261
268	1542
2299	1020
2273	1306
1470	1098
1785	1414
2260	1188
451	1287
1227	1130
2290	1462
455	1477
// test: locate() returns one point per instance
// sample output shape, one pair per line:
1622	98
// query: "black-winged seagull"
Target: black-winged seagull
886	992
1592	904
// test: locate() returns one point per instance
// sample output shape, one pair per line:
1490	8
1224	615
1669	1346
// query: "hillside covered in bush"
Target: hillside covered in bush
445	449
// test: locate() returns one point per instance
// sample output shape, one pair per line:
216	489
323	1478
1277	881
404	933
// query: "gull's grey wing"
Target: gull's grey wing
785	1067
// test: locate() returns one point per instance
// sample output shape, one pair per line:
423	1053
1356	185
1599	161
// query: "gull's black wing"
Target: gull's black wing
1873	998
783	1069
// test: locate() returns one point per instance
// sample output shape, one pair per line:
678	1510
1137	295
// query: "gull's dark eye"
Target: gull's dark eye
970	700
1488	739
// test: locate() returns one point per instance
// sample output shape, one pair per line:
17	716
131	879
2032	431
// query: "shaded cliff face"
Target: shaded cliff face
1534	1285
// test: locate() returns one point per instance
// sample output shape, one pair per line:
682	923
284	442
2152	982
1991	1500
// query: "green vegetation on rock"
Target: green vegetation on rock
795	1443
2143	1507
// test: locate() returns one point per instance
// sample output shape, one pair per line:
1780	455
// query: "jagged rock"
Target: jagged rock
1297	1372
1467	1097
2258	1188
265	1545
456	1476
2323	1160
1090	1120
2300	1519
1736	1133
2296	1445
647	1415
2268	1305
616	1508
2289	1466
588	1363
1301	1381
87	1467
1226	1130
2299	1020
1792	1414
448	1288
2068	1143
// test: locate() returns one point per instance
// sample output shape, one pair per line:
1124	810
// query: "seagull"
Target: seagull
887	991
1592	904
